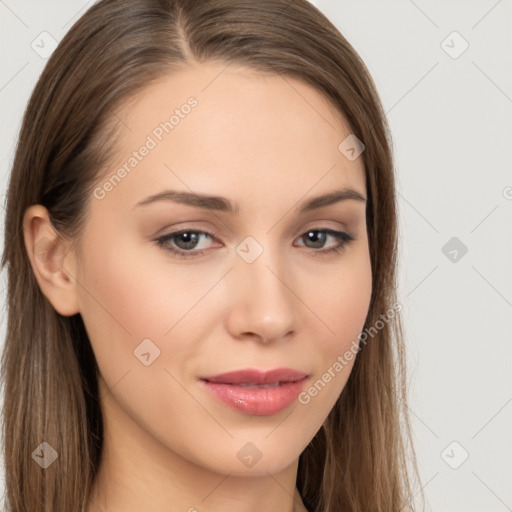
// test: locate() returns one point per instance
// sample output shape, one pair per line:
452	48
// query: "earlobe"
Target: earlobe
51	261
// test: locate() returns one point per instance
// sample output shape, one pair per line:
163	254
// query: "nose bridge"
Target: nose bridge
266	306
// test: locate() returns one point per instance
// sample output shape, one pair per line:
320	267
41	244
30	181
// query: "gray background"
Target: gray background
451	118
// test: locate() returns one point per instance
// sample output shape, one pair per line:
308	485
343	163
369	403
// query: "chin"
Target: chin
250	459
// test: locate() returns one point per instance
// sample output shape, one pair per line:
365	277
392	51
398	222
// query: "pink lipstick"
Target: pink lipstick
255	392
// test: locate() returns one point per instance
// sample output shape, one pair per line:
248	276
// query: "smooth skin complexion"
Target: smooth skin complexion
268	144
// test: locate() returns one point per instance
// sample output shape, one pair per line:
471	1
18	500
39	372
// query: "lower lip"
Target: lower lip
257	401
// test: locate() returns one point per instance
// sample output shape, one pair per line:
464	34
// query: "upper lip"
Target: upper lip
252	376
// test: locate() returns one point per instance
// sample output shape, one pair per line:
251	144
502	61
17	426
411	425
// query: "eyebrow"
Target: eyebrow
222	204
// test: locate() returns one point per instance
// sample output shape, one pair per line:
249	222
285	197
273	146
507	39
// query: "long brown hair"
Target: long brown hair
360	460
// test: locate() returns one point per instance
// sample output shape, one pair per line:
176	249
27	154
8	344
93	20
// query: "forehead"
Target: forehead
218	128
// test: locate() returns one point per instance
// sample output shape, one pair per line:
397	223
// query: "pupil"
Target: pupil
190	240
317	237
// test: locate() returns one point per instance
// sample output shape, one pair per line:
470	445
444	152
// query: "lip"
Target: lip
252	376
243	391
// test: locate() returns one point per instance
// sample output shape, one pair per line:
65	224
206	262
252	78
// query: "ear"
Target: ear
51	260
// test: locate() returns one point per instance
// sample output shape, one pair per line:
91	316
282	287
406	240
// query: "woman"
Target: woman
201	238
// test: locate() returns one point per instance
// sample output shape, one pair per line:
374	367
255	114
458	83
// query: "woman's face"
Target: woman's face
254	289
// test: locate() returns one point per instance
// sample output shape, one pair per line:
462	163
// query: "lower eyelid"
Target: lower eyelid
343	238
170	236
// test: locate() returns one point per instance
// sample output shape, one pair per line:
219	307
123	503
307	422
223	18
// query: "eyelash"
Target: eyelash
342	236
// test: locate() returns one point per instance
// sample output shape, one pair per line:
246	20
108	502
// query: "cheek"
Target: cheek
343	301
119	304
342	304
131	293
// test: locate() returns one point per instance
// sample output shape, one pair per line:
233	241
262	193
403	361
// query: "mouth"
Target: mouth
251	377
255	392
258	386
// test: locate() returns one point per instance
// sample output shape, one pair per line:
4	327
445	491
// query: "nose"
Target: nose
263	305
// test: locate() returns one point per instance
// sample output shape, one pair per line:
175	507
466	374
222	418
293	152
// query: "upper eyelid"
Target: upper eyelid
214	235
318	225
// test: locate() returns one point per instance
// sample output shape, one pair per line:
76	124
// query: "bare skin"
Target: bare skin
269	144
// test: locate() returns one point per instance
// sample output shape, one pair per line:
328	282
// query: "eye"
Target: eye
184	242
187	243
318	237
